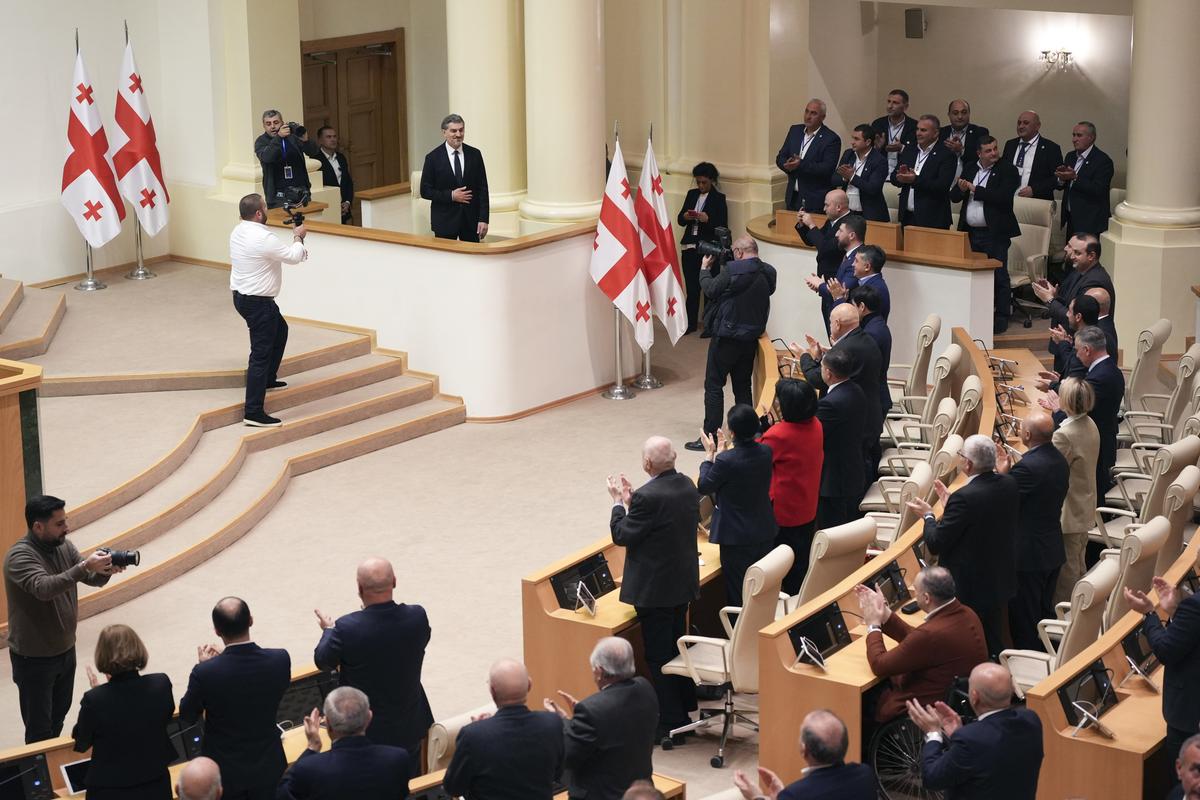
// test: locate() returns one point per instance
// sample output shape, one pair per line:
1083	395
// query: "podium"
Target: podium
20	452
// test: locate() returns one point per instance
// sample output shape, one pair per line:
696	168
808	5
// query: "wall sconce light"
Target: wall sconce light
1056	59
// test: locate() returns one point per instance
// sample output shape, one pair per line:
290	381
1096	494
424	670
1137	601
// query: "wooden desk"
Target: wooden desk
427	787
884	234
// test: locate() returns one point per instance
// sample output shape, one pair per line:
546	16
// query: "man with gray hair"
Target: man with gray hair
808	157
1085	177
280	151
353	767
200	779
609	735
976	535
454	180
826	775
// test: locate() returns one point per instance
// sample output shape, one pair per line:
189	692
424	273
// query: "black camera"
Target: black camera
123	558
720	250
298	130
295	198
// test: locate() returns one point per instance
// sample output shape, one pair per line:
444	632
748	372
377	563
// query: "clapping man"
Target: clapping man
861	173
925	173
848	238
808	156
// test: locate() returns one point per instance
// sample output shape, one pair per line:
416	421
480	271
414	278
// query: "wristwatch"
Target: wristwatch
930	516
873	628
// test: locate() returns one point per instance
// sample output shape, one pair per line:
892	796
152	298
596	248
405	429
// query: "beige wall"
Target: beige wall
843	65
635	83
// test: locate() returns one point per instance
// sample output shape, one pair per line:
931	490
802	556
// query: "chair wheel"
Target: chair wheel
667	744
716	762
1028	323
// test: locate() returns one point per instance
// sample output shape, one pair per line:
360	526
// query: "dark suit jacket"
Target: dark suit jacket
970	151
741	480
876	327
975	540
125	721
1178	649
926	659
516	754
869	183
1047	157
931	190
1085	207
866	355
718	216
351	769
330	179
659	536
1109	327
814	169
1108	383
997	199
274	155
446	217
1042	477
238	692
610	739
829	253
907	136
885	295
1075	283
838	782
997	758
843	412
380	650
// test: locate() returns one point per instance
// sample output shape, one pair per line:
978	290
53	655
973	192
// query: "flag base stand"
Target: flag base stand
646	380
140	273
90	282
618	391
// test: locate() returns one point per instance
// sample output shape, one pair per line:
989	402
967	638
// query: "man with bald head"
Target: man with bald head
830	250
513	754
1043	476
200	779
808	156
996	757
1104	317
1035	157
237	690
826	775
380	650
657	527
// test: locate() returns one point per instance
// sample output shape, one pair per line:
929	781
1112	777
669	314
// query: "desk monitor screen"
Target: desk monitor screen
826	629
26	779
1093	686
1190	582
302	697
436	793
75	775
921	553
187	741
593	570
890	582
1137	647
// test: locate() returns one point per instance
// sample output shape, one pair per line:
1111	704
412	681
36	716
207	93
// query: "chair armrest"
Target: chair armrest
699	641
1028	658
899	382
1048	628
1036	265
724	615
1165	398
1062	610
1103	529
1133	502
1144	451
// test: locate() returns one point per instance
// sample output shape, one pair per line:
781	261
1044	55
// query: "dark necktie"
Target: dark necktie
1021	155
457	167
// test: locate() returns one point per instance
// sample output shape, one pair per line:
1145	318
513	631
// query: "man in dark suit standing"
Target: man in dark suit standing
925	173
895	130
808	156
1043	476
975	537
996	757
454	180
238	691
1085	177
1082	255
842	411
280	152
960	136
861	172
513	754
657	527
826	775
353	767
830	252
1104	318
1081	312
986	191
335	167
380	650
867	300
847	238
1035	158
610	734
868	271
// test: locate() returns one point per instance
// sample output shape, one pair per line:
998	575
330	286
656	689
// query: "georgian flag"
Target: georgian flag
660	258
616	264
135	150
89	188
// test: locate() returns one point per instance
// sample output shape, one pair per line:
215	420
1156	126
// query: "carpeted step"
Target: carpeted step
32	327
11	293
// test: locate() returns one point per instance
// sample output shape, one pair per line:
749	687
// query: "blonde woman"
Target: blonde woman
1078	439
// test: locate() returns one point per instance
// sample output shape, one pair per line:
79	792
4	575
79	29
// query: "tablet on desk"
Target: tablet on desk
75	776
585	599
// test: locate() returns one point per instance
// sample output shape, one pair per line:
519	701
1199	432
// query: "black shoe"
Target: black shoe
276	385
999	326
697	445
261	420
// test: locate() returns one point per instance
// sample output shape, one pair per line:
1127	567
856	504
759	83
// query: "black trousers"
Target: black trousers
466	231
44	687
732	358
992	621
661	629
984	241
690	261
833	511
268	338
735	560
1034	602
799	538
1171	744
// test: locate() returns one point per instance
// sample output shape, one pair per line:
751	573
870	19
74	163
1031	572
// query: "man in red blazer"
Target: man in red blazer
926	659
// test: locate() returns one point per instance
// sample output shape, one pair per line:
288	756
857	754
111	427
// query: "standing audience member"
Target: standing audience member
831	252
1081	312
808	156
238	690
200	779
124	722
1187	770
1082	255
1035	157
514	754
1104	319
704	210
41	571
454	180
861	173
657	527
868	271
335	167
797	452
826	775
924	173
895	130
1085	177
610	734
842	411
739	479
380	650
280	151
868	302
1079	441
848	237
960	136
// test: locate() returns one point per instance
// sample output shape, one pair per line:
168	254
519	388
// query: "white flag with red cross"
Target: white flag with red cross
89	188
660	259
135	150
616	265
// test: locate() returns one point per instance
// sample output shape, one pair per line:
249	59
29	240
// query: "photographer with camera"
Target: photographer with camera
257	257
280	150
41	573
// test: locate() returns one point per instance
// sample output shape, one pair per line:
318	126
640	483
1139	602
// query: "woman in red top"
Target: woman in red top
798	451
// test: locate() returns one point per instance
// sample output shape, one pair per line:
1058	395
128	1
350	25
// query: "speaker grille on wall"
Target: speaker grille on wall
914	23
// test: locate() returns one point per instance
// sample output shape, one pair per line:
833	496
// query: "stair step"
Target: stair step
31	329
11	292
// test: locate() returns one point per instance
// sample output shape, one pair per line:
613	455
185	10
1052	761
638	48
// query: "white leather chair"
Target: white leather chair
1178	508
1143	379
1150	429
1029	252
969	397
891	196
1139	557
899	517
836	552
913	384
444	733
899	461
1139	496
924	405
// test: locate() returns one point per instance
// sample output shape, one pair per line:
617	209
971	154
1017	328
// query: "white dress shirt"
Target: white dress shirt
922	157
333	162
852	192
258	256
975	216
1026	169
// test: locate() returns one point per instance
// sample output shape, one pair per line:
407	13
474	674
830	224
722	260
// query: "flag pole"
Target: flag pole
140	272
90	283
618	391
647	380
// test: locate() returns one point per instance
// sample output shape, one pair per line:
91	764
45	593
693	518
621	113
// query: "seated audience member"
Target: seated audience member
238	690
867	300
1187	770
380	650
861	174
1079	442
797	453
354	767
924	174
704	210
739	479
643	790
1035	157
826	775
200	779
124	722
996	757
842	412
514	754
610	734
927	658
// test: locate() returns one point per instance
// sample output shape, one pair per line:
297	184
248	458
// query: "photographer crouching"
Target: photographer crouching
280	150
258	256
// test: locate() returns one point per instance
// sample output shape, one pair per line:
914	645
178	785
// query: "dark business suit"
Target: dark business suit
999	227
869	362
1177	646
844	273
516	754
696	231
876	282
836	782
380	650
975	540
869	183
329	177
662	576
997	758
281	158
609	740
842	411
1043	476
1047	157
1085	204
743	520
829	253
813	171
1075	283
124	721
238	692
908	135
876	327
931	189
1108	384
1109	327
451	220
351	769
970	141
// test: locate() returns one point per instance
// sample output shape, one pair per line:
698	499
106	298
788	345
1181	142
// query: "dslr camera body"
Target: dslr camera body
721	250
123	558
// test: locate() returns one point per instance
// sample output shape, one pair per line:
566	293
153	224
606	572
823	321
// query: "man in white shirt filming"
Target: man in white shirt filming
258	256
